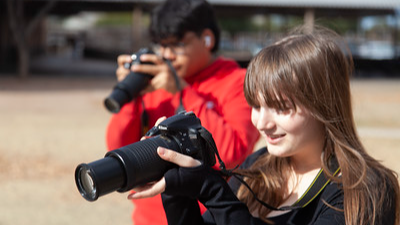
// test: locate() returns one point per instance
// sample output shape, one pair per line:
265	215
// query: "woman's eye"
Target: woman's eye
281	110
284	110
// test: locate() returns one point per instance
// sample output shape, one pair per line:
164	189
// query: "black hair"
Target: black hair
174	18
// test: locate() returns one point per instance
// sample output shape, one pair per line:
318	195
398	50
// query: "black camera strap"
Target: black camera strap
207	136
316	187
145	118
180	108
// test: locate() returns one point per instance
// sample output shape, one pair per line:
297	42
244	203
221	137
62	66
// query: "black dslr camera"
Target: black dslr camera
130	87
138	163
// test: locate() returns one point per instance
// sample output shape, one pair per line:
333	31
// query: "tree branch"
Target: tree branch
12	12
39	16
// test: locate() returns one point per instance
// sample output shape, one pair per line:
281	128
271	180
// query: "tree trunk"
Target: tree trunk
23	55
22	29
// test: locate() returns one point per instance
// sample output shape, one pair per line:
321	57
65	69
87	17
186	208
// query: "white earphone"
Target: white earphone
207	40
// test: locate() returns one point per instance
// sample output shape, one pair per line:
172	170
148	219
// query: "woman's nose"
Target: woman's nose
265	119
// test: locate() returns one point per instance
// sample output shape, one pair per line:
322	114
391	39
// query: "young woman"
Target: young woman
299	92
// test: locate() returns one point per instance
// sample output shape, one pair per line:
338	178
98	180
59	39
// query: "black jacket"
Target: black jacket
184	186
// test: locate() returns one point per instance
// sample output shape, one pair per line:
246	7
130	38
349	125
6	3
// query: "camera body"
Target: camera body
130	87
138	163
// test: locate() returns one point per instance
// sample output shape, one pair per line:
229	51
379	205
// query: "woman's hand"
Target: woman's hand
153	189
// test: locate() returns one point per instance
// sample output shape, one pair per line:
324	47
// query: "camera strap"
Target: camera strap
145	118
316	187
180	108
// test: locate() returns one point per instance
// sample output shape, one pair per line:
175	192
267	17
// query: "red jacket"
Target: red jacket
216	96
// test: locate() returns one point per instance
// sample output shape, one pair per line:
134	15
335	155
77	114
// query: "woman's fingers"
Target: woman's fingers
177	158
153	189
159	120
148	190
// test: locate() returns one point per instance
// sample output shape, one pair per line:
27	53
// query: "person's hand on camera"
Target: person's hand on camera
163	77
153	189
121	71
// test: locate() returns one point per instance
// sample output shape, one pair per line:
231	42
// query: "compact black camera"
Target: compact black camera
130	87
138	163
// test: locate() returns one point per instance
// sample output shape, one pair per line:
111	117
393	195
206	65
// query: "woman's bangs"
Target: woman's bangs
277	95
251	83
275	85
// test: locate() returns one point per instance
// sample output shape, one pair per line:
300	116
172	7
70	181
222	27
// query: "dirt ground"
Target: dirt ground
50	124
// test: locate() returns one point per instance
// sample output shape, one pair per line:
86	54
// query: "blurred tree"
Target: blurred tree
115	19
236	24
340	25
22	29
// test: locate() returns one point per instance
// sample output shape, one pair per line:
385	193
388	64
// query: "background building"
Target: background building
75	29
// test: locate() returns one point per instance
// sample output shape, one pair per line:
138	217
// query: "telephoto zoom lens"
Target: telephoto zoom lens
129	88
137	164
124	168
99	177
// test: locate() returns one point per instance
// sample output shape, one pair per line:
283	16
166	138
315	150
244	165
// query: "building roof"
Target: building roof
351	4
242	7
348	4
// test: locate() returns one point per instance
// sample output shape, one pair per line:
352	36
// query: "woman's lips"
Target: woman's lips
274	138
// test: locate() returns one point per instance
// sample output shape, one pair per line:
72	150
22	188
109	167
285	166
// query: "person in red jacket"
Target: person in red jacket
186	33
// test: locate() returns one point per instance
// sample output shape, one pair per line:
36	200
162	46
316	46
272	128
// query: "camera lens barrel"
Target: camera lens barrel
124	168
129	88
137	164
99	177
126	90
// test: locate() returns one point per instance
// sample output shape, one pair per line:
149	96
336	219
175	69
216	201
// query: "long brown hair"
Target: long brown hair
313	69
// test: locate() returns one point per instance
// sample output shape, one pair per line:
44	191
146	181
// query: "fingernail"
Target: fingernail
161	151
130	197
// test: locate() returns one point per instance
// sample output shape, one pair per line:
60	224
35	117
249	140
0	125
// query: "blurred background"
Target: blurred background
58	61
